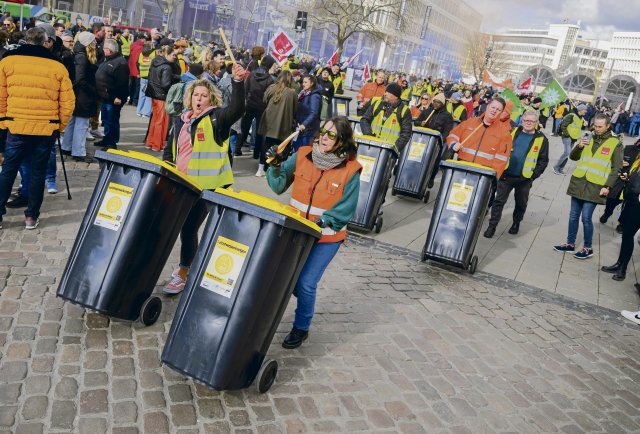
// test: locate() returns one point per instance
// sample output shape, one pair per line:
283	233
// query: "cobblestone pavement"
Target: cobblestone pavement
396	346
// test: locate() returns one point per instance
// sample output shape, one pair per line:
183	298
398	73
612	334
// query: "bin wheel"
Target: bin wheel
266	375
393	192
378	226
473	265
150	311
425	199
430	184
423	256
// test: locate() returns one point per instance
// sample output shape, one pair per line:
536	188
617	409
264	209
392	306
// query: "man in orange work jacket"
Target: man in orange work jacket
483	140
369	91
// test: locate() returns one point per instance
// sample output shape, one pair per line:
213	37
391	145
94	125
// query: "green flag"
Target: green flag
510	95
552	94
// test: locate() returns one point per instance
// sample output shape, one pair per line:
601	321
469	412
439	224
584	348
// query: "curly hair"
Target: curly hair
215	96
345	143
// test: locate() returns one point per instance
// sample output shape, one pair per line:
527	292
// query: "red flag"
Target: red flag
525	85
282	45
366	73
335	58
351	59
491	79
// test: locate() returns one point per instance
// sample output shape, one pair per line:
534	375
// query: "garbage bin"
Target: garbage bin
340	105
377	157
355	124
131	224
249	258
458	214
416	164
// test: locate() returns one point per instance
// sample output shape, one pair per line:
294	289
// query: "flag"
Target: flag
281	46
524	86
366	73
552	94
351	59
335	58
510	95
491	79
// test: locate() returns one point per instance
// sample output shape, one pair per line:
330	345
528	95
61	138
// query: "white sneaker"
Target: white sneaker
260	173
175	286
97	133
90	136
631	316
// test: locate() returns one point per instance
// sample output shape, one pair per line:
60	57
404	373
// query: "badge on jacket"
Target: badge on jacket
605	151
200	134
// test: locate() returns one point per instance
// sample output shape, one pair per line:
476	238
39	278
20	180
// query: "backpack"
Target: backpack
173	103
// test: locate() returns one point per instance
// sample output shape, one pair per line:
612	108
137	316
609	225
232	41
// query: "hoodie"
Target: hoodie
255	87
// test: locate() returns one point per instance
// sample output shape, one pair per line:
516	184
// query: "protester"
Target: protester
369	91
308	111
145	58
163	73
570	130
388	118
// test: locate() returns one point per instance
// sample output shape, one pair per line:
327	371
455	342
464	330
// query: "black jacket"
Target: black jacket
327	88
441	120
84	84
255	86
543	156
112	79
630	154
161	76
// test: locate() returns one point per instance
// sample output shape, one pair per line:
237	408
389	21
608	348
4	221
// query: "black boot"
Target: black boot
17	202
611	268
620	274
490	232
515	227
295	338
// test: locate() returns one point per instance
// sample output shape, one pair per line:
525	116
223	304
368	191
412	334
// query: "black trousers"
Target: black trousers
189	232
612	203
521	187
245	124
630	225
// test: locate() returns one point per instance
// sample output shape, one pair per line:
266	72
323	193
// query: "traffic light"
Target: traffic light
301	21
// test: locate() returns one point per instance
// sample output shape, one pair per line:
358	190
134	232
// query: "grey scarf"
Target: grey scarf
325	161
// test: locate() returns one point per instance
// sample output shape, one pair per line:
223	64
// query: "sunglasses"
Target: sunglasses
331	134
425	98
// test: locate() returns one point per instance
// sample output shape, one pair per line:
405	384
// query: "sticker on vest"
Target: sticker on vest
367	163
114	206
341	109
460	197
225	264
200	134
535	149
416	151
605	151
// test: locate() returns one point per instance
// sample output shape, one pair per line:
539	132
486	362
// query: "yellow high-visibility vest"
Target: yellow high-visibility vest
596	167
532	156
387	129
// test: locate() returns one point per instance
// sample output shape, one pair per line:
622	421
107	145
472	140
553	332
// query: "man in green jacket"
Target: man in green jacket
599	161
570	130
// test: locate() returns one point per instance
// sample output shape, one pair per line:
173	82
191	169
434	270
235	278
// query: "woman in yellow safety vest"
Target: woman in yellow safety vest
201	152
144	64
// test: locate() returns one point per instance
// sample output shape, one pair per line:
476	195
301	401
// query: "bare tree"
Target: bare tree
344	18
169	6
484	53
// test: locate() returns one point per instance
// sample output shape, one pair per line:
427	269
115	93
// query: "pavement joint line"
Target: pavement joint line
603	313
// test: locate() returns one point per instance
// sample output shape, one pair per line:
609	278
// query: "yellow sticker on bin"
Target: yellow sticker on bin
416	151
368	163
460	197
153	160
114	206
224	267
270	204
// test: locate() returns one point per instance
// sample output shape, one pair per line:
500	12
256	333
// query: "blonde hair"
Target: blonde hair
215	96
211	67
206	56
92	54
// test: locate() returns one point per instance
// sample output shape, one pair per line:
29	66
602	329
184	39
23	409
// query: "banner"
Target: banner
524	86
334	58
510	95
552	94
281	46
366	73
491	79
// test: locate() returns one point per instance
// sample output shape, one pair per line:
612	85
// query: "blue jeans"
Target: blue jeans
19	147
556	125
75	136
25	171
111	120
586	209
305	290
633	128
144	102
567	143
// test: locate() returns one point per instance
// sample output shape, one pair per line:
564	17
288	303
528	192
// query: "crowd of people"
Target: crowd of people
204	110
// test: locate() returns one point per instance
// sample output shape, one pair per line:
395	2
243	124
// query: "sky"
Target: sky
599	18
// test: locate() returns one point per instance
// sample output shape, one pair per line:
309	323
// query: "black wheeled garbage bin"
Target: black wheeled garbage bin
416	164
250	255
378	158
131	224
458	214
355	124
340	105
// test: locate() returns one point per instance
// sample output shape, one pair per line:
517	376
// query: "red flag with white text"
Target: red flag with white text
335	58
366	73
525	86
281	47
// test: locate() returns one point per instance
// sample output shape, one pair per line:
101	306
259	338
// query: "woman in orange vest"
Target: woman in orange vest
326	184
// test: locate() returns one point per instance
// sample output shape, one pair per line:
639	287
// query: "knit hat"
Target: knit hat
456	96
267	62
440	97
86	38
394	89
581	107
48	29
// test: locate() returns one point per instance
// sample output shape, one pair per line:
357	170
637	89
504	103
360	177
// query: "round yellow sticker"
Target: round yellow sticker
460	196
114	204
224	264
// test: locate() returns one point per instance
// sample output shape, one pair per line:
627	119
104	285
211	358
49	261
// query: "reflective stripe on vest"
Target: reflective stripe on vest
532	156
575	127
144	64
209	165
126	46
386	129
457	112
596	167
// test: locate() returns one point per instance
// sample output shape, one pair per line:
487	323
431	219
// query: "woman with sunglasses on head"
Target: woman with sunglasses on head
326	183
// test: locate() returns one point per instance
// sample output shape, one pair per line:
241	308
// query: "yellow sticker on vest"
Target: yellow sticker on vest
460	197
416	151
114	206
224	267
368	164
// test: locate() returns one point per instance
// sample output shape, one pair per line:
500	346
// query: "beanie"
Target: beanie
581	107
394	89
440	97
48	29
196	69
86	38
267	62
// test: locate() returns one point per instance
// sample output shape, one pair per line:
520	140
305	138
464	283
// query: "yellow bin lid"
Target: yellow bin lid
140	156
270	204
426	130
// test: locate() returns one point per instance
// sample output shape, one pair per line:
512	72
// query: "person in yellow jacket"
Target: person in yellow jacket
36	103
201	151
570	131
336	78
388	118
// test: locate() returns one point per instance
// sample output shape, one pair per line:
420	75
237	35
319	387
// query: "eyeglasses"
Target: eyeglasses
529	120
330	134
424	98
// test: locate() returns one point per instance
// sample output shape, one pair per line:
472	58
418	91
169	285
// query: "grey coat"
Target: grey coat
277	121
